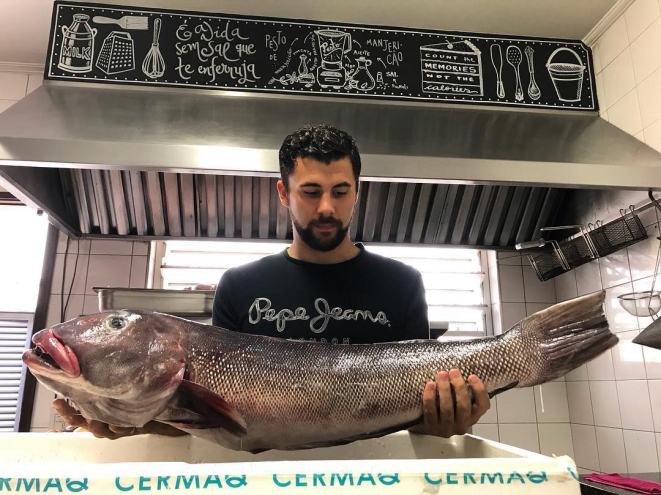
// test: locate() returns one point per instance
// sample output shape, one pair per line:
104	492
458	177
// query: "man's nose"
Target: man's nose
326	206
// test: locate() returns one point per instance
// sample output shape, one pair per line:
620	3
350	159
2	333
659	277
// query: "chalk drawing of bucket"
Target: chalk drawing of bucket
567	77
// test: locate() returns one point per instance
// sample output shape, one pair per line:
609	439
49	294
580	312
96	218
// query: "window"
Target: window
15	331
454	278
21	258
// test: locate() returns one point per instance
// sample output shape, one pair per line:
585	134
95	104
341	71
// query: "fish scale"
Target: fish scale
329	393
254	393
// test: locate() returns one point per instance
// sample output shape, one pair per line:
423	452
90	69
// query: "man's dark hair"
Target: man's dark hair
322	142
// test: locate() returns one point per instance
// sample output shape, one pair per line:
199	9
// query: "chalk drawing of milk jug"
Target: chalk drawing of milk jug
77	49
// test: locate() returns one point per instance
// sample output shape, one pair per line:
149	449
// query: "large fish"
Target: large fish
256	393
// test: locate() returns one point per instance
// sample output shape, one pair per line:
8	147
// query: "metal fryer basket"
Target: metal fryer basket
618	234
594	243
566	255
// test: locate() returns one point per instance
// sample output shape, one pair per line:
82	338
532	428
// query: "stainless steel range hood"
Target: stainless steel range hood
169	130
63	145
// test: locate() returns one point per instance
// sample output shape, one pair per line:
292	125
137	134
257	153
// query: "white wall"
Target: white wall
627	62
615	401
16	85
517	417
100	264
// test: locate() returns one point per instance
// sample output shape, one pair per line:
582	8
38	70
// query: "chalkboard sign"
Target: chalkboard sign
127	45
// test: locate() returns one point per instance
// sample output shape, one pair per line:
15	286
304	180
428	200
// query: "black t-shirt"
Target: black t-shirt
367	299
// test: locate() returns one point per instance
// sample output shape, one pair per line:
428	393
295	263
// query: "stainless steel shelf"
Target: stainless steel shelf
186	303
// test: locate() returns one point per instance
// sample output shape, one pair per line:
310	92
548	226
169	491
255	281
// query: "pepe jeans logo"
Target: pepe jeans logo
261	309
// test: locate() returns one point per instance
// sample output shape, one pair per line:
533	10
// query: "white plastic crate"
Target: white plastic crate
398	463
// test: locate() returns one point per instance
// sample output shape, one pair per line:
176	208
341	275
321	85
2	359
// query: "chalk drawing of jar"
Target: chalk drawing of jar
362	79
77	49
567	76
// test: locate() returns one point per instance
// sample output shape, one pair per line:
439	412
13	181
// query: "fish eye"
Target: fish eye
116	323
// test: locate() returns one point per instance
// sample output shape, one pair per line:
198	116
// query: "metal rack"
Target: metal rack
595	241
566	254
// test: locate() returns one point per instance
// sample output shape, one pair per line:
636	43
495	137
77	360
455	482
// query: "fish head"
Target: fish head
118	367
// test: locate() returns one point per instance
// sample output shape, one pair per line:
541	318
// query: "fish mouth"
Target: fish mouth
51	355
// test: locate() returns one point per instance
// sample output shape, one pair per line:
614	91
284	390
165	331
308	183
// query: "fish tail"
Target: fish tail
570	334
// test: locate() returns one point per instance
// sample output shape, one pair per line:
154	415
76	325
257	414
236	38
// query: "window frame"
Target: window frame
158	280
28	318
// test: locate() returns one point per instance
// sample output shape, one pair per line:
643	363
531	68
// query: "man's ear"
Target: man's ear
282	192
357	192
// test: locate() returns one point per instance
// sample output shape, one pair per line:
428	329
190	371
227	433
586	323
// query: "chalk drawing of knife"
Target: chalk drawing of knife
497	61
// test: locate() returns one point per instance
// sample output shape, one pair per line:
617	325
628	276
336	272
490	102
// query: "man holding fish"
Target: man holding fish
325	288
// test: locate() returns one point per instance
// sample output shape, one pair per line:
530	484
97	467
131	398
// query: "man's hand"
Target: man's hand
442	418
103	430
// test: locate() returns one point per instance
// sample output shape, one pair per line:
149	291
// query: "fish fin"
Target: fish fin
570	334
502	389
198	407
344	441
651	336
186	425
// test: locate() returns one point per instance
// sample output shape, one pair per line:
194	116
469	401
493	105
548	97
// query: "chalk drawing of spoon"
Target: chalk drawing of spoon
533	89
514	57
497	61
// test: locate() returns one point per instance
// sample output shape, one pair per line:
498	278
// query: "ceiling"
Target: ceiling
25	24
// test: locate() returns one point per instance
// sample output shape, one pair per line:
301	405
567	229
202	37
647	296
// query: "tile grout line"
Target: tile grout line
64	277
637	83
89	260
640	114
624	445
589	386
653	123
595	441
626	30
603	67
649	394
27	85
643	31
635	86
128	285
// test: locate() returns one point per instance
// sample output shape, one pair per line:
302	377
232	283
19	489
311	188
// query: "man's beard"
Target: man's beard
325	243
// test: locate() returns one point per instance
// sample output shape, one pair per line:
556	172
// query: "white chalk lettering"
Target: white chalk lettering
261	309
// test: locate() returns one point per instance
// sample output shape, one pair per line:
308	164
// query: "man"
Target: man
324	288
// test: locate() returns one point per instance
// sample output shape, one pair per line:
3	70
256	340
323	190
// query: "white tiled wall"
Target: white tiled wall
13	87
16	85
524	417
617	397
627	63
100	264
615	401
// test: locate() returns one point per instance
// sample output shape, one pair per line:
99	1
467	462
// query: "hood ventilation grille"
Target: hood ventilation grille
175	205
